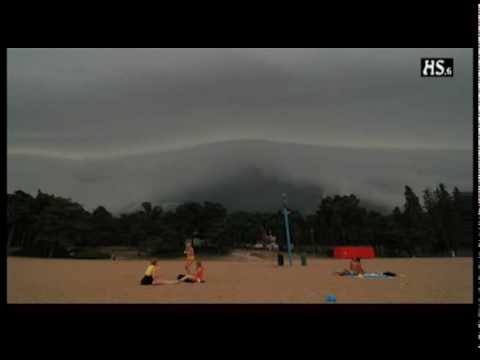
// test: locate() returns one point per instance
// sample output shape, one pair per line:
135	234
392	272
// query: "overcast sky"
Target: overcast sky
99	102
94	104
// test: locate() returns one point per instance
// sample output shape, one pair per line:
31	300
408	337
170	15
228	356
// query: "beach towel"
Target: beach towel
370	275
375	276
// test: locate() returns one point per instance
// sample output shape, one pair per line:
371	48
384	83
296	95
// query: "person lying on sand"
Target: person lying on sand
198	277
151	276
355	268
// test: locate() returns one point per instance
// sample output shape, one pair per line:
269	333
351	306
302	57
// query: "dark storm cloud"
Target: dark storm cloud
88	99
94	104
241	173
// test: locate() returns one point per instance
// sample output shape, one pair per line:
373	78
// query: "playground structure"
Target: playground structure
269	242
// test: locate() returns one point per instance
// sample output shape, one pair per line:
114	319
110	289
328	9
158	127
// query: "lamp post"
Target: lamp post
287	228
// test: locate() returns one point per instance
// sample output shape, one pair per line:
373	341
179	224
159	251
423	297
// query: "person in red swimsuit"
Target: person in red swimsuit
355	268
199	275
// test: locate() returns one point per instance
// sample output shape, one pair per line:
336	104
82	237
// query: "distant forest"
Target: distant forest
51	226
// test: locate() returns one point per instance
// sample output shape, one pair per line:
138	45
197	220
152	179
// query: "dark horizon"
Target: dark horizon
253	174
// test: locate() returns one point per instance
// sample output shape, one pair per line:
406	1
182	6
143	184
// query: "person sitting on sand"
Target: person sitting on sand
190	256
151	276
355	268
198	277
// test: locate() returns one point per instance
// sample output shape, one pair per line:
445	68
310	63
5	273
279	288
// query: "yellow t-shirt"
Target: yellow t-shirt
150	270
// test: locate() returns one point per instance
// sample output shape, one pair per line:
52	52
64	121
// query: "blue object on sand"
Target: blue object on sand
331	298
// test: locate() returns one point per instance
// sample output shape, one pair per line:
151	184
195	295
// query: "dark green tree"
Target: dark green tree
412	222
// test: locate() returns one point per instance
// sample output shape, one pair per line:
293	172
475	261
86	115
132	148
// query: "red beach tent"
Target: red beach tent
349	252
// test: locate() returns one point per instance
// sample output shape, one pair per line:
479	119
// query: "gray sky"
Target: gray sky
106	104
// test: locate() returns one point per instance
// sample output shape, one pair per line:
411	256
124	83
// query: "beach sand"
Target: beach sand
230	280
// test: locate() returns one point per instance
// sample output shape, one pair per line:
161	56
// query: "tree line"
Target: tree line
48	225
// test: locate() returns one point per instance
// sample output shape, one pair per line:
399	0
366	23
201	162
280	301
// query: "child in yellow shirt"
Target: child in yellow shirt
151	276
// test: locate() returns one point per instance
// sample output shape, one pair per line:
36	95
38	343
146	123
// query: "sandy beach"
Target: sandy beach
230	280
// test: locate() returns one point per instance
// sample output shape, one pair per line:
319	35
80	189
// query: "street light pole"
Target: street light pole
287	228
